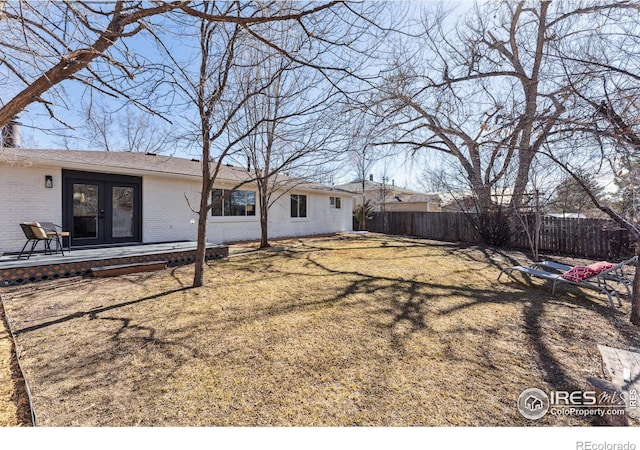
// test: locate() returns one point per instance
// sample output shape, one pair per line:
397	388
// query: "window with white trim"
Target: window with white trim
335	202
233	203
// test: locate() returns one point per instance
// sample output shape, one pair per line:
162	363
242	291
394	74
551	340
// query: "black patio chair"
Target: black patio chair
34	234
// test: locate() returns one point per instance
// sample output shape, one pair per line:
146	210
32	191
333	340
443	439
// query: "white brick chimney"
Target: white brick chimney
10	136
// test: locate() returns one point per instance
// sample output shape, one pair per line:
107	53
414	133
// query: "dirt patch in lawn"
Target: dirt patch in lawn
352	330
14	402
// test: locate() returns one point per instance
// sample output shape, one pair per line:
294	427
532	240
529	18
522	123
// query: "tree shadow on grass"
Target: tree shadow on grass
408	308
92	313
402	307
408	299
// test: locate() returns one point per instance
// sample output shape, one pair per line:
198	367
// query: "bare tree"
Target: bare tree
362	152
86	42
100	127
208	91
127	130
216	89
43	44
569	196
291	123
488	93
601	137
543	180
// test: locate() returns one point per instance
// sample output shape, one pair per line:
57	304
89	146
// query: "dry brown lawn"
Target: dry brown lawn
8	408
14	402
332	331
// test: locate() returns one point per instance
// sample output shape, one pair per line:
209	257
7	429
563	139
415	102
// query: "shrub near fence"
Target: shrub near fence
589	238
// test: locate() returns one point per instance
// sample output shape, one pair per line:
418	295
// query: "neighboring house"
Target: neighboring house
413	202
388	197
466	201
111	198
567	215
458	202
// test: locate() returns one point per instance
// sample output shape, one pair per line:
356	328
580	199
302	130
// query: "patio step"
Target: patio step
122	269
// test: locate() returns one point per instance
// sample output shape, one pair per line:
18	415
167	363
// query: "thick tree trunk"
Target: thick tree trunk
201	250
264	235
201	247
522	178
264	227
263	200
203	210
484	202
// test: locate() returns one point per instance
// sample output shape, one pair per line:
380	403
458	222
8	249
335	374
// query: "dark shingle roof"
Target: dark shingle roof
127	162
116	160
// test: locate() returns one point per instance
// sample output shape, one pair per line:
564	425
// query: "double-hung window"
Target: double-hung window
335	202
298	205
233	203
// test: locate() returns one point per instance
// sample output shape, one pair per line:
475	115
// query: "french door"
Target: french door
101	208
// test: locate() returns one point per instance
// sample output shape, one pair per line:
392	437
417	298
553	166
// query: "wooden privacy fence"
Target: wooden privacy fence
589	238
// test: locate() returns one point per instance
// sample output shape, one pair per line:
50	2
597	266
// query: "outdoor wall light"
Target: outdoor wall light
48	181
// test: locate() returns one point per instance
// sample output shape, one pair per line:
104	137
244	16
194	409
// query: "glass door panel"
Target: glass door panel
122	209
101	208
85	210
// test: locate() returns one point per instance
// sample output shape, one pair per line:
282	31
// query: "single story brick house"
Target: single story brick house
114	198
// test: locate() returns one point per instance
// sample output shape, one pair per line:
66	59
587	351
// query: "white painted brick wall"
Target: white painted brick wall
166	215
320	217
23	198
